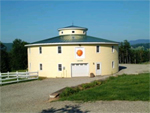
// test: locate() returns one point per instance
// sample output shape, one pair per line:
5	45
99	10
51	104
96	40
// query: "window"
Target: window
97	49
41	67
73	31
113	65
59	49
40	50
59	67
62	32
112	48
98	66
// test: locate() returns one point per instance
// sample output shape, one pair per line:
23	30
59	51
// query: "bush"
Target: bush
69	90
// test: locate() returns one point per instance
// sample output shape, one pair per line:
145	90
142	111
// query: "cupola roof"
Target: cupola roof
72	27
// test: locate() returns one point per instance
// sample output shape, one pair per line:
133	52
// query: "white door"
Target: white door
79	70
98	68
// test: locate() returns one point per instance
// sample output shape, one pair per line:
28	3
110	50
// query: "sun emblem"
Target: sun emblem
79	52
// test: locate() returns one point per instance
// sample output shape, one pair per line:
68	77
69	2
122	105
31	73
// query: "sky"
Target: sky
32	21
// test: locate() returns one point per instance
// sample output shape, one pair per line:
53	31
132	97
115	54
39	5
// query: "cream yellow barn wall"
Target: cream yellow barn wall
50	58
67	31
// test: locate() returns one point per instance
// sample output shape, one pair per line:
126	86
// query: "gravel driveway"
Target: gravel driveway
33	96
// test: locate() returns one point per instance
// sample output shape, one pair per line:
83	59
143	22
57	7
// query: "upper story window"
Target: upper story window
97	49
59	49
112	48
40	50
73	31
59	67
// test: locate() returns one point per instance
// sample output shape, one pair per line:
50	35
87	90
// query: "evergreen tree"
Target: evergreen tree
4	60
18	55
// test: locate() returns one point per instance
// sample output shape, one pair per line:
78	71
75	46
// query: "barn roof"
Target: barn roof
73	27
72	39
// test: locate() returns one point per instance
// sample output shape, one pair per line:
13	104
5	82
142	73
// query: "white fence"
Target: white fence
11	77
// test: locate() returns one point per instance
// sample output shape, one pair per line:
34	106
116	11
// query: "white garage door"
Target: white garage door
79	70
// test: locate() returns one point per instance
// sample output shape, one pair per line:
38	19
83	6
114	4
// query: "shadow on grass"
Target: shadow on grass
122	67
66	109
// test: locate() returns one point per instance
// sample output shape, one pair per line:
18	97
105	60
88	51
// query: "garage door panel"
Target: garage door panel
79	70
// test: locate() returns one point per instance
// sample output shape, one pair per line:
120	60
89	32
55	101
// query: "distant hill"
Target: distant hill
9	46
144	45
139	41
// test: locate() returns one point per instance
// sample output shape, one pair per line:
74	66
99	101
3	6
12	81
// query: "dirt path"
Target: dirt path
33	96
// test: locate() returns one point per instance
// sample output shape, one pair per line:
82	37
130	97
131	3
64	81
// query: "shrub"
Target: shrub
69	91
85	86
96	82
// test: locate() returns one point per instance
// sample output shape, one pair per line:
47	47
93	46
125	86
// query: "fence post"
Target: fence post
26	74
37	75
17	75
0	79
8	74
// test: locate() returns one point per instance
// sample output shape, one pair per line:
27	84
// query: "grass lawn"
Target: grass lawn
124	87
22	70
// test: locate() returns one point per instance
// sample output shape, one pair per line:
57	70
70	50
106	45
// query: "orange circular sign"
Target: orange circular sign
79	52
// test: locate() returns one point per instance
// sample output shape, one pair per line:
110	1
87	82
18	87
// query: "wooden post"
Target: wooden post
17	75
0	79
8	74
37	75
26	74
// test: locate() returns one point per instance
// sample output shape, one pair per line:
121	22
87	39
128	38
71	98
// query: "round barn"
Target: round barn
73	54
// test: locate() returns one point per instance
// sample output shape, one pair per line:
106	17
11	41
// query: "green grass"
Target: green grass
146	62
124	87
71	90
22	70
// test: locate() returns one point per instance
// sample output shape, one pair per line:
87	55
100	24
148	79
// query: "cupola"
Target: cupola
72	30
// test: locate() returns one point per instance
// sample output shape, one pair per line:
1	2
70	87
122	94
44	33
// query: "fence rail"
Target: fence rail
11	77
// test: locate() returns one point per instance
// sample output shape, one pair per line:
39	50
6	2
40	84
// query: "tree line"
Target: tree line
128	54
145	46
16	59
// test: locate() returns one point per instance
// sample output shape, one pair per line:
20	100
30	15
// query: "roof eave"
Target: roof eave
72	29
72	43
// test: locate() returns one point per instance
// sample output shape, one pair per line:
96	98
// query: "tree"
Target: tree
18	55
124	52
127	51
121	53
133	55
4	63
